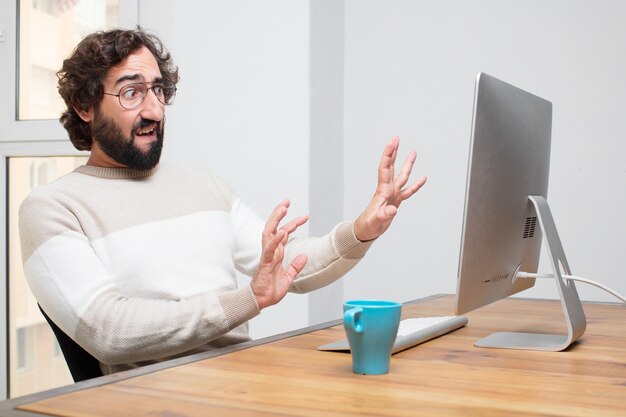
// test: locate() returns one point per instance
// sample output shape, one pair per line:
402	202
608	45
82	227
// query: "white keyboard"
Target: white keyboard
412	332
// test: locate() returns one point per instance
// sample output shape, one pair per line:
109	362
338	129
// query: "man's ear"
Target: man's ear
86	115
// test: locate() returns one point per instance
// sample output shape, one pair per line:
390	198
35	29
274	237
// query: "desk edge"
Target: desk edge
8	408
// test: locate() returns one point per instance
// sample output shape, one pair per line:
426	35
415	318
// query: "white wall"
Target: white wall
409	71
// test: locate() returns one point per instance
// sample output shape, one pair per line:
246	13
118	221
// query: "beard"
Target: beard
122	149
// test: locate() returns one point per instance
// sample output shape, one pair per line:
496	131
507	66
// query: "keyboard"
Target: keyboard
412	332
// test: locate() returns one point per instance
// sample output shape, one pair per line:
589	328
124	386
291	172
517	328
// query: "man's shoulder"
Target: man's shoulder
192	172
194	175
56	187
199	184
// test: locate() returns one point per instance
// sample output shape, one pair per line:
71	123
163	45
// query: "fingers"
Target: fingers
405	172
290	227
272	237
392	167
296	266
386	166
387	161
278	214
386	170
413	188
271	281
387	213
294	224
270	245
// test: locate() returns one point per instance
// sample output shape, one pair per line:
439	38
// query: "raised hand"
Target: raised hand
381	210
272	281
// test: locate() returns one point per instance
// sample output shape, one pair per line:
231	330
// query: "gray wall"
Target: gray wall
297	98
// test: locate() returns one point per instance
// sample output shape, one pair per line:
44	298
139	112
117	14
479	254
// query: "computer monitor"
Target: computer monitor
506	212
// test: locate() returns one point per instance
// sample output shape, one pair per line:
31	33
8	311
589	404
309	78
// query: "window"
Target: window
34	360
62	23
33	35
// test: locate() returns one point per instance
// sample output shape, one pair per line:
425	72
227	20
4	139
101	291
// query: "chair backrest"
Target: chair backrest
82	365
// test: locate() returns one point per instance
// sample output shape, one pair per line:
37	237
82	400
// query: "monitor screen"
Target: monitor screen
509	160
506	211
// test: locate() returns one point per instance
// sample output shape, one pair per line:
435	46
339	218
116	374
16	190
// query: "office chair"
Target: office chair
82	365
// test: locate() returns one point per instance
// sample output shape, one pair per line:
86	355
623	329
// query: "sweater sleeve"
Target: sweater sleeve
74	288
329	257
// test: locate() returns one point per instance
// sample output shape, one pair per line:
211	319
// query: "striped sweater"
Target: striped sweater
140	266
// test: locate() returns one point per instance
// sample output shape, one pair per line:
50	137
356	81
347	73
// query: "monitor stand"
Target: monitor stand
572	307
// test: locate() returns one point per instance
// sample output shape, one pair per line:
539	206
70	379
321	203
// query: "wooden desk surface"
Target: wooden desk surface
447	376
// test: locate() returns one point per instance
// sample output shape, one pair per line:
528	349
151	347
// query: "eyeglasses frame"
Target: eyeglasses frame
154	84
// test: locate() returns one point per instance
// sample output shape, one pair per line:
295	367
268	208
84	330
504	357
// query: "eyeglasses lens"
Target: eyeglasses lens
132	95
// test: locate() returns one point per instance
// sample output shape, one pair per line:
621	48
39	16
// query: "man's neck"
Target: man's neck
115	172
99	158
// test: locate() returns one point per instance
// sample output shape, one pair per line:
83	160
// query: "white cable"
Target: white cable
573	278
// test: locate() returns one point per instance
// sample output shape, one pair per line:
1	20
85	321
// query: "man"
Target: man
135	260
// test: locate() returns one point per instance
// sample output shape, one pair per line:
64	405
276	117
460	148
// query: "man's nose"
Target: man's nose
152	109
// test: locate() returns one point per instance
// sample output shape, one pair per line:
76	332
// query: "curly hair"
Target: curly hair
81	77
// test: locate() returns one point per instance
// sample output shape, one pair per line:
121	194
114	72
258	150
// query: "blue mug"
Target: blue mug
371	327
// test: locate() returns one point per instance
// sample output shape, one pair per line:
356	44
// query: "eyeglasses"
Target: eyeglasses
132	95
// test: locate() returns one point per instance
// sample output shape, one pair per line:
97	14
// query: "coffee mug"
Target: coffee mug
371	327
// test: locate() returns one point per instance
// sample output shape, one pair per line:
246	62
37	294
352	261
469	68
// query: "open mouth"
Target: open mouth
148	130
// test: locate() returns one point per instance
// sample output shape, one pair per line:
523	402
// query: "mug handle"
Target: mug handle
352	319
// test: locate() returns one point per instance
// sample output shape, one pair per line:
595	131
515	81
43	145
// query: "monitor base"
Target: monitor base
570	302
525	341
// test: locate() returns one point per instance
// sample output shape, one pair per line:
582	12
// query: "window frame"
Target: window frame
14	130
11	150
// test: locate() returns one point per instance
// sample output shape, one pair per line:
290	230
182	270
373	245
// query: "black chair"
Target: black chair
82	365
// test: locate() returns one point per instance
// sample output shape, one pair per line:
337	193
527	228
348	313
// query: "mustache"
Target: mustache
145	122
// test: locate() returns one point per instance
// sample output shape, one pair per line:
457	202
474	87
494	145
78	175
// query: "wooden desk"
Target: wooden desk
447	376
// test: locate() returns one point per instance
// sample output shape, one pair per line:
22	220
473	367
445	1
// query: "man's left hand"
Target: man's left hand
383	207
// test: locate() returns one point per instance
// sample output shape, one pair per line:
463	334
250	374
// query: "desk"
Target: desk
447	376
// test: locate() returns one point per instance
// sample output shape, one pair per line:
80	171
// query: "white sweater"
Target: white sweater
139	266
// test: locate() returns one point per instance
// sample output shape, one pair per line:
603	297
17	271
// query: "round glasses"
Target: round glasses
132	95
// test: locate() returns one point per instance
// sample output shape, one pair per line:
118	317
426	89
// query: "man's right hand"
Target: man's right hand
272	281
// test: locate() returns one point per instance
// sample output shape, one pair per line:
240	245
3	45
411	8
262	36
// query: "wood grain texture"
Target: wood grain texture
447	376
